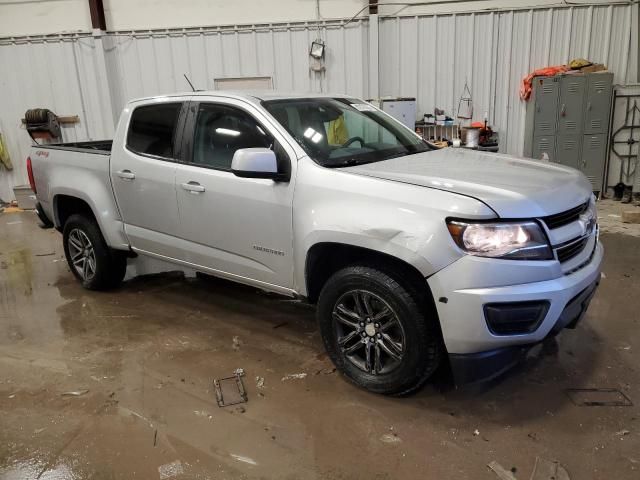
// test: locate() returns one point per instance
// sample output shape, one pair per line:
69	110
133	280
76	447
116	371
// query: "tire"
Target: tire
96	266
411	323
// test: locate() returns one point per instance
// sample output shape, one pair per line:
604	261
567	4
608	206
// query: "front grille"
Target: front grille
564	218
567	252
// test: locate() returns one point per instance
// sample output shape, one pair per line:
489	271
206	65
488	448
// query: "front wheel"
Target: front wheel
377	332
90	259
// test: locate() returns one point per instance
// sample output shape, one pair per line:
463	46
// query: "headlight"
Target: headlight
514	240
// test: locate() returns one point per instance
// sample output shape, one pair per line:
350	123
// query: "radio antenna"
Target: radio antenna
189	82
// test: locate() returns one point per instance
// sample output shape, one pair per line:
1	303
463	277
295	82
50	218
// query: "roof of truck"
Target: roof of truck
252	96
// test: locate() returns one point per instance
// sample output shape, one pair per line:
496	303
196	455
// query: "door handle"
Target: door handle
193	187
126	174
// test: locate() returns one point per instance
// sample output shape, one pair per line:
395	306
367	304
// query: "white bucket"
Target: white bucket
471	137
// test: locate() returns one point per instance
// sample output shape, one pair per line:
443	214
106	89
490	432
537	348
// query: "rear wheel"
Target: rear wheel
90	259
379	333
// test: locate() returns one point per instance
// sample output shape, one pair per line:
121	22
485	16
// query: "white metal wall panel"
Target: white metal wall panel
62	73
58	74
430	57
153	64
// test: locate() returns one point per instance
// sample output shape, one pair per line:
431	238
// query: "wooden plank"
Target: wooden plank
63	119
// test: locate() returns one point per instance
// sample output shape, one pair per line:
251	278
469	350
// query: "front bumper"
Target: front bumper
461	311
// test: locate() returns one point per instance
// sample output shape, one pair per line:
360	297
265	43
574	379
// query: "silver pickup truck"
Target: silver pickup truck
413	255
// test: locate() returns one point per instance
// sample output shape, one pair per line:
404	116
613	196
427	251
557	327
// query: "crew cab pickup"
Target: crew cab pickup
414	255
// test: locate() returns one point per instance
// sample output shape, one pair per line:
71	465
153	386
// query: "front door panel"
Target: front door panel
238	226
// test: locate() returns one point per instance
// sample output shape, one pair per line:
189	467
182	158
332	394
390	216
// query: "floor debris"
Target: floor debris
235	343
294	376
622	433
598	397
244	459
549	470
230	390
501	472
202	413
260	382
326	371
170	470
75	393
390	438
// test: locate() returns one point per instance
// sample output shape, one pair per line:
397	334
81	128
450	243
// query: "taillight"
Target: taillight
32	182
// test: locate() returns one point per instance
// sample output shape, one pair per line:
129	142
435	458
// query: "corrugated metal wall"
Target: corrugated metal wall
63	72
431	57
59	74
155	63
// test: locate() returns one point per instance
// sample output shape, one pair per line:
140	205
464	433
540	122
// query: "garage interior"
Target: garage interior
121	384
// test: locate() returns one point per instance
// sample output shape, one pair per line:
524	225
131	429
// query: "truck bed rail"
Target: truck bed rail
102	147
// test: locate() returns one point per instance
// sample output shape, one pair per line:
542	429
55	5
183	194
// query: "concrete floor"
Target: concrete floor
148	352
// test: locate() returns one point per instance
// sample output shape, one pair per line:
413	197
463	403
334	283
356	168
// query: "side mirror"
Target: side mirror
255	163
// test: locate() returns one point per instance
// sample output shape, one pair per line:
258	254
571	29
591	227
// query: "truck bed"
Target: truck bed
96	146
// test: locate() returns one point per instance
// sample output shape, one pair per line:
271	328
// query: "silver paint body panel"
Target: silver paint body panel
258	231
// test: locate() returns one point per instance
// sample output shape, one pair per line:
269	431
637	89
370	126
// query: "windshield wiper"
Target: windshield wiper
349	162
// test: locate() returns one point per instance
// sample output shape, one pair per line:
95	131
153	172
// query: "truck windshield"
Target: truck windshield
338	132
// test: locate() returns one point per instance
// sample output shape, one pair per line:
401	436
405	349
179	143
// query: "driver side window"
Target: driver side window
220	130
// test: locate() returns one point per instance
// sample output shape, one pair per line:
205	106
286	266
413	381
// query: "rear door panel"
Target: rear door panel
144	186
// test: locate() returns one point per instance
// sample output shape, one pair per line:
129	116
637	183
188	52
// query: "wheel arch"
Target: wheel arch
69	201
325	258
66	205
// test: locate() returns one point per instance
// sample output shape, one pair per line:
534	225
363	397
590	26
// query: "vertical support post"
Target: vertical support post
635	37
374	67
99	25
96	10
110	115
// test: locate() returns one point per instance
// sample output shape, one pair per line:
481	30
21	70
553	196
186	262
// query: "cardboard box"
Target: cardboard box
25	197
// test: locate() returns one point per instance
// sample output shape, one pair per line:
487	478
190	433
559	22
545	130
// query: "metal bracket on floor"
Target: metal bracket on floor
230	390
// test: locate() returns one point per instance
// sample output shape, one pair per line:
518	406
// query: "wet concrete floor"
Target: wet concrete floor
141	361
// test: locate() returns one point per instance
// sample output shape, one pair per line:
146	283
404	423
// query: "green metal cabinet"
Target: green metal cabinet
567	119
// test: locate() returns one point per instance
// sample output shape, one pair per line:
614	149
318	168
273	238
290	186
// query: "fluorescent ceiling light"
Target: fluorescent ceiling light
226	131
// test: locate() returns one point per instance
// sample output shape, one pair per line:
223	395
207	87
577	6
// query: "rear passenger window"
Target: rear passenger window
151	129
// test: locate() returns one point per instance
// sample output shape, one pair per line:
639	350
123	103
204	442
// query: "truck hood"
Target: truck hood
511	186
